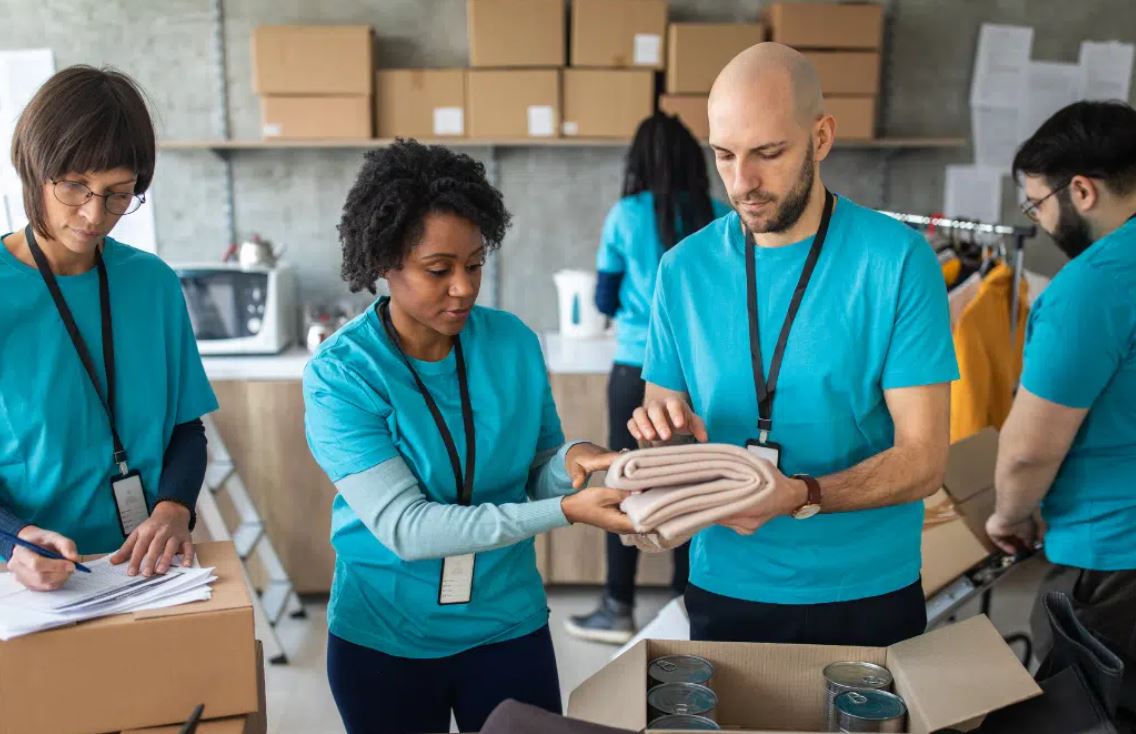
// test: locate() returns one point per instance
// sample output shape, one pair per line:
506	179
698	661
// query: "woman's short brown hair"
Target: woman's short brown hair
82	119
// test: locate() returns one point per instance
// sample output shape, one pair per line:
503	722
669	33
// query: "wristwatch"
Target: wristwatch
812	502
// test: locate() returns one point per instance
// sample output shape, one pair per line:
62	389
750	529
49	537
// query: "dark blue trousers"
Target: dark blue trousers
382	694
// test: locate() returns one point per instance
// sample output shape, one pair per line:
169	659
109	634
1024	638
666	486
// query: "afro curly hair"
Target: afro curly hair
397	187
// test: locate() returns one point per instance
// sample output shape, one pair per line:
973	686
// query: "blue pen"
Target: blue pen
41	550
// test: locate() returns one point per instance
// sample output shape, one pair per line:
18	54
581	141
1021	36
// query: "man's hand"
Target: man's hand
37	573
1012	536
662	419
781	496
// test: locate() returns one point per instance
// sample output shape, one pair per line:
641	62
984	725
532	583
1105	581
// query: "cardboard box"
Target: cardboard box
697	52
827	25
254	723
516	33
619	33
847	72
607	103
313	59
306	118
855	116
953	676
690	109
507	104
420	103
954	530
139	669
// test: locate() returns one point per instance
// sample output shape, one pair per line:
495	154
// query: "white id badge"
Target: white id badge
130	498
457	580
769	451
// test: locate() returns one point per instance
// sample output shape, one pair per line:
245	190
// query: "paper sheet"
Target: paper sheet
1000	65
995	133
1107	68
106	590
974	192
21	74
1049	87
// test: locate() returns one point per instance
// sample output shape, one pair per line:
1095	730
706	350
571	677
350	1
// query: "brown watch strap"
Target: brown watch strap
814	488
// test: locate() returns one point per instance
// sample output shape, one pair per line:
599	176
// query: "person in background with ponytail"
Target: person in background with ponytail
665	198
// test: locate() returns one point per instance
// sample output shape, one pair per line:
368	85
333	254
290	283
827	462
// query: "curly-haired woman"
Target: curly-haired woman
435	420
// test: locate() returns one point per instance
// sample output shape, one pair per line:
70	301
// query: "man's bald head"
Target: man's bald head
774	74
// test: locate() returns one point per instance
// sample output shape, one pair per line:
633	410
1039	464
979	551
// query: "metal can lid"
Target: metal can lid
870	705
684	721
681	669
858	675
682	698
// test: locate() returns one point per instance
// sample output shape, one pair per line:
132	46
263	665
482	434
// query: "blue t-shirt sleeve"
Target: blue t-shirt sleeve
345	421
921	351
661	364
194	397
611	258
1078	335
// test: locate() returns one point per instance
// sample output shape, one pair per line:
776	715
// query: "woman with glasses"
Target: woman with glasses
102	449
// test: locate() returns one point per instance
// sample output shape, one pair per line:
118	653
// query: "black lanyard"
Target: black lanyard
464	482
107	402
766	389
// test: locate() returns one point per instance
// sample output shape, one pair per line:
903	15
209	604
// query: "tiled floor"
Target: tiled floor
299	701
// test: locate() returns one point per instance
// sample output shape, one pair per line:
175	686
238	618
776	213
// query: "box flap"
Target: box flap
970	465
616	695
957	674
949	551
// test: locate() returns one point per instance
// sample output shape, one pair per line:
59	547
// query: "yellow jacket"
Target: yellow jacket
989	365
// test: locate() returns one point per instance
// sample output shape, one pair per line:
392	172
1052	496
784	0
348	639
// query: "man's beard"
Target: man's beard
796	201
1072	233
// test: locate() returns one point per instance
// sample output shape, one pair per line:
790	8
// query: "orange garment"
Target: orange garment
989	365
951	270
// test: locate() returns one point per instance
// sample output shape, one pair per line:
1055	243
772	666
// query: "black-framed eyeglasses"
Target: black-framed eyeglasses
73	193
1030	207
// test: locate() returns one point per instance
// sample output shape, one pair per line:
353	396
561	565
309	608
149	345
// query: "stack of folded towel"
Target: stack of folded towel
683	489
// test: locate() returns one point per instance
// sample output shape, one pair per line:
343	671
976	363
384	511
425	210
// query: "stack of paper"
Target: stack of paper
106	590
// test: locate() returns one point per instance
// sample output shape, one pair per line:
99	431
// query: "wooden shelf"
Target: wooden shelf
238	145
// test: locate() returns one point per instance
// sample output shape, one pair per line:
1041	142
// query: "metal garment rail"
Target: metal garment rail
1019	235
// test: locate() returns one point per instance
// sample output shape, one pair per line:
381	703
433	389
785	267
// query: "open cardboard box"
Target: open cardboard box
952	677
954	537
140	669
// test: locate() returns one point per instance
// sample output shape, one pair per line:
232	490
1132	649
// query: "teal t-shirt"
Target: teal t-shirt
630	244
55	441
362	409
1081	352
874	318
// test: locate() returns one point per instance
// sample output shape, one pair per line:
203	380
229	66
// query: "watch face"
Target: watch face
806	512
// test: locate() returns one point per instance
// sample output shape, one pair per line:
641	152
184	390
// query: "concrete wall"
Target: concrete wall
558	196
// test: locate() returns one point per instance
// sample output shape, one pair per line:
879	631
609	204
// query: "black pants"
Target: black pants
876	621
382	694
625	390
1105	602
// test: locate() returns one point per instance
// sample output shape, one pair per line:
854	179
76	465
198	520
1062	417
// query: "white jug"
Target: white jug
579	317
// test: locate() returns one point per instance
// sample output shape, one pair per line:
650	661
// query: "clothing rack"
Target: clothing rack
1019	235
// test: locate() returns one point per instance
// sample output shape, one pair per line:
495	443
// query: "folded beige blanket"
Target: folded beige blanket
684	489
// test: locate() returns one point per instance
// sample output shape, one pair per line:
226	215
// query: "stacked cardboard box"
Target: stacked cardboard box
617	45
843	41
696	53
138	670
516	49
420	103
315	82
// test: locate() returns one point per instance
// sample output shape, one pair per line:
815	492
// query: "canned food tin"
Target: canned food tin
872	711
681	698
684	722
851	676
680	669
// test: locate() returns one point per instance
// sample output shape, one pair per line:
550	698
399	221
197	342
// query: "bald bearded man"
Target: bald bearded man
815	332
